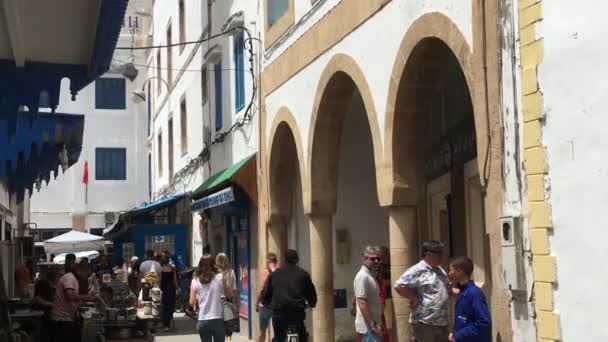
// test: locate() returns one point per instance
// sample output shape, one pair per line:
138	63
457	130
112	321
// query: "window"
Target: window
149	107
159	74
183	122
182	24
149	176
169	56
204	84
160	154
170	142
44	100
239	71
275	9
111	163
219	115
159	243
110	93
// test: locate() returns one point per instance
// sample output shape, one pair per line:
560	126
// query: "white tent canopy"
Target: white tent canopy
60	259
74	241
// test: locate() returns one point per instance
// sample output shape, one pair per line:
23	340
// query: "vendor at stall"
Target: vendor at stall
66	303
44	296
24	276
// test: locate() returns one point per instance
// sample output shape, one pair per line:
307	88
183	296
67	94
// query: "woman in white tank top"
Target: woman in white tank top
206	291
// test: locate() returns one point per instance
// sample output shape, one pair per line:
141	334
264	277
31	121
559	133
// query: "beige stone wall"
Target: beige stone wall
395	190
539	211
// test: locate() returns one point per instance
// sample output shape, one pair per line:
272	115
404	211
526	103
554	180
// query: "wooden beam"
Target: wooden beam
12	14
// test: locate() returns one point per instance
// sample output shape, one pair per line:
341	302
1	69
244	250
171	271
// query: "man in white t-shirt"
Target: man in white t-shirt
368	320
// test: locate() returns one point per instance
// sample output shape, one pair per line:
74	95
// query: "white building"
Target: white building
564	93
205	123
114	147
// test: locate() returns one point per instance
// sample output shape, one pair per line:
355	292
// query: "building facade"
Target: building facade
563	102
111	175
204	118
390	123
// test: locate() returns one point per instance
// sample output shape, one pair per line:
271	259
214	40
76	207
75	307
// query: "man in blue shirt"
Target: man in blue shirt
472	322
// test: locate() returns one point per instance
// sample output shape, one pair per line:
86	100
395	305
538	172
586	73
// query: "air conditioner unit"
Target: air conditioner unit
111	217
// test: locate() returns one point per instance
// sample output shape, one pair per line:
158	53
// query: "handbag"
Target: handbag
230	311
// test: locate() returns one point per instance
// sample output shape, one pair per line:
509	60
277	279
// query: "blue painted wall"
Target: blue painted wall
137	234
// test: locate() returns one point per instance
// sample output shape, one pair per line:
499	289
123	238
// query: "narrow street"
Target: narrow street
185	331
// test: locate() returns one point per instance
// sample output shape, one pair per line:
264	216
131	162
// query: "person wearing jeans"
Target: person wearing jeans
206	291
368	318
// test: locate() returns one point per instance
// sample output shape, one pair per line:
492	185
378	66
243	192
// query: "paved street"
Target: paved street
185	331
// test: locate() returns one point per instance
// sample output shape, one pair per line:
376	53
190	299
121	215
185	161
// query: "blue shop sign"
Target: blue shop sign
214	200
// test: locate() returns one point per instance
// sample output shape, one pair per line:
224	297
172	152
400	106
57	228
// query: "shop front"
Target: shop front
227	212
159	226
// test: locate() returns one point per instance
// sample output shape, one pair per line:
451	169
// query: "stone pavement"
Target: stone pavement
185	331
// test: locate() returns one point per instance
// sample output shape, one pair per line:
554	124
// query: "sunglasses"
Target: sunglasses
373	258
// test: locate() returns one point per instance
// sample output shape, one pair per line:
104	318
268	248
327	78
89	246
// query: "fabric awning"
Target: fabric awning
33	74
124	219
74	241
242	173
34	151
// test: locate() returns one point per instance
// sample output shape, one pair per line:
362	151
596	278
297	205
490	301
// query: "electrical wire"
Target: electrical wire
150	47
172	69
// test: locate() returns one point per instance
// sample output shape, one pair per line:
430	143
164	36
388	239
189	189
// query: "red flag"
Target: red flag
85	175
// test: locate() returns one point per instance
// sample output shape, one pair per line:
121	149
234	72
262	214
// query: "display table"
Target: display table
30	321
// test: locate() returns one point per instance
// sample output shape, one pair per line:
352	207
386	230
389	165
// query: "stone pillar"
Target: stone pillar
322	269
403	237
277	239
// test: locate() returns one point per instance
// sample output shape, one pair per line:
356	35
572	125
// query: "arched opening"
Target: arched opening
286	199
435	151
344	189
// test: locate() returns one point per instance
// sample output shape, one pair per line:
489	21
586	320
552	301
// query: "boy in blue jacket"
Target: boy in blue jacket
472	322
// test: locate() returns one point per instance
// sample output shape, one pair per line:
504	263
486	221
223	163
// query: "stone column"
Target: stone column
322	269
403	236
277	239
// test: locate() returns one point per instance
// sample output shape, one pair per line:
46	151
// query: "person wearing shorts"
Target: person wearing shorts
265	312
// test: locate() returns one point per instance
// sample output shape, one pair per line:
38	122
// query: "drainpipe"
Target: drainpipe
209	22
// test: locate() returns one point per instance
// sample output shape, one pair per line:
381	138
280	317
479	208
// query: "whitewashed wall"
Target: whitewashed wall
571	79
237	146
54	205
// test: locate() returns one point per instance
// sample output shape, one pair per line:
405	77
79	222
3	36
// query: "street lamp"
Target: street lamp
140	96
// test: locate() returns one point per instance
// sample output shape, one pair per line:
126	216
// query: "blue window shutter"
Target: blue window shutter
110	93
110	164
149	107
219	115
239	72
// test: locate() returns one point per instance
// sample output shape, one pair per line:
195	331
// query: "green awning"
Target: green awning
222	178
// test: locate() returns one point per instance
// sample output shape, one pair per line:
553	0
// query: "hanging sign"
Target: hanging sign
214	200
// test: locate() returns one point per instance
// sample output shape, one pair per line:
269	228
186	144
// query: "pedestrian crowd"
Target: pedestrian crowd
211	294
287	291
